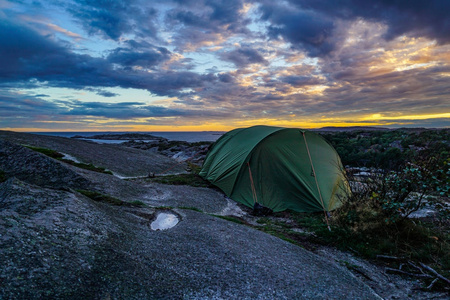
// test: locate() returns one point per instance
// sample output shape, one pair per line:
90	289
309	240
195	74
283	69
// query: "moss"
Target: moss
194	168
164	207
182	179
2	176
59	156
232	219
89	167
99	197
190	208
137	203
49	152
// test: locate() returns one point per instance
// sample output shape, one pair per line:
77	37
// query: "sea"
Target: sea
187	136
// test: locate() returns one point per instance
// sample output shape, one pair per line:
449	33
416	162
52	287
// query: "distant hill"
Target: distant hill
351	128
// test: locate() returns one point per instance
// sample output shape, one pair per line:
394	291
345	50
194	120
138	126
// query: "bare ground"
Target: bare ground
57	243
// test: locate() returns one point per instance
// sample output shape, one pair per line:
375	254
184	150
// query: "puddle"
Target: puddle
164	221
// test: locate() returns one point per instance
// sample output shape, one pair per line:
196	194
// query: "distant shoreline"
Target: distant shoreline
187	136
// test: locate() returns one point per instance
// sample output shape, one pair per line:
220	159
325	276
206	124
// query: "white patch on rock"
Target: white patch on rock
164	221
128	177
232	209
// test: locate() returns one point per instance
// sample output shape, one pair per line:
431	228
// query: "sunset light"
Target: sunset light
175	66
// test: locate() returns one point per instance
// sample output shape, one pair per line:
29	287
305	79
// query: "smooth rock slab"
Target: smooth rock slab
69	247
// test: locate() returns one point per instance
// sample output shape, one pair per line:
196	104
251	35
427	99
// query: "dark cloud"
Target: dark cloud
138	56
124	110
107	94
15	103
311	25
299	81
102	92
129	110
208	14
113	19
417	17
244	56
225	77
26	56
304	29
33	108
146	59
197	22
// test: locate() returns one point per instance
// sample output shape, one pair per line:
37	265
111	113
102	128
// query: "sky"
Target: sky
207	65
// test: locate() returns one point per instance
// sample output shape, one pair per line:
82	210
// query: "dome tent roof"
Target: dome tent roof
275	167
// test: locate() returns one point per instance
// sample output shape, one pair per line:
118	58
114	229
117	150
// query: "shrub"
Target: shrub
385	198
374	219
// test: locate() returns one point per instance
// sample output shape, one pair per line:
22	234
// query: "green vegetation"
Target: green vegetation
182	179
388	149
407	170
232	219
51	153
137	203
99	197
425	241
59	156
2	176
190	208
194	168
175	144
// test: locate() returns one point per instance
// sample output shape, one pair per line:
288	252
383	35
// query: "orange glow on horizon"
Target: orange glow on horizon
376	119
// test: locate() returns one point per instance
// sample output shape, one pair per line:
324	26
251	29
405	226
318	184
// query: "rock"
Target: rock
33	167
65	246
123	161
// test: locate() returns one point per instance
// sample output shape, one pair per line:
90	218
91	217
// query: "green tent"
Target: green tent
275	167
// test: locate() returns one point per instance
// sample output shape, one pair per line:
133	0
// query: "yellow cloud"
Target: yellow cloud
379	117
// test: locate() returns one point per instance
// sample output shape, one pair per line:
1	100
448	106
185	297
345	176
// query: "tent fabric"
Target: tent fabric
280	166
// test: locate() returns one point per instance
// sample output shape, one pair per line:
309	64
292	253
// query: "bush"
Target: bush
373	220
385	198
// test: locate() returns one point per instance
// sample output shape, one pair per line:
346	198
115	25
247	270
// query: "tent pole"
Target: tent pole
255	197
315	178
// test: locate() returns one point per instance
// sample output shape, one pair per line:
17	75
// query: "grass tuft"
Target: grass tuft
99	197
232	219
190	208
182	179
59	156
2	176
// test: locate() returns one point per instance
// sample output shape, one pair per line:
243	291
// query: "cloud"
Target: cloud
102	92
416	18
123	110
201	23
299	81
311	25
304	29
132	58
26	111
114	19
283	60
208	14
244	56
25	56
